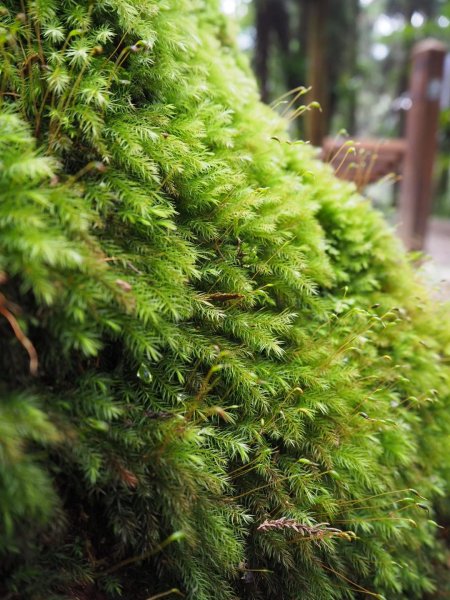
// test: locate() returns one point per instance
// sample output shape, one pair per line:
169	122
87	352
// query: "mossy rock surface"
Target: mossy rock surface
219	377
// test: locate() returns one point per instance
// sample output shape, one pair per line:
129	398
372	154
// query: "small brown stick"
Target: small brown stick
22	338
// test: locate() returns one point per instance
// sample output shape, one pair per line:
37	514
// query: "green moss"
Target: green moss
226	335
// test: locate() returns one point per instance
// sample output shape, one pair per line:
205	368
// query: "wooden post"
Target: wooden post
421	142
317	76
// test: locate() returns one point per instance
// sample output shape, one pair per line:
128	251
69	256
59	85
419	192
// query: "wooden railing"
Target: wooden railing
365	161
410	159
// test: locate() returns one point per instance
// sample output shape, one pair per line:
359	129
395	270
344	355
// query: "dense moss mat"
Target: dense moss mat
202	331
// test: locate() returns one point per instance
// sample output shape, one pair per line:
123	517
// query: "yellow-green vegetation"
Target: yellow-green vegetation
219	378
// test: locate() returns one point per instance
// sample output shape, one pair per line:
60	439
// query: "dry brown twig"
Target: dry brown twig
5	310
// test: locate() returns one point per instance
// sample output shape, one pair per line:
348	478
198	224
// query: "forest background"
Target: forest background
367	45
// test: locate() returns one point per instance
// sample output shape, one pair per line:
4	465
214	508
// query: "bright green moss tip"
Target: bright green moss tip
219	378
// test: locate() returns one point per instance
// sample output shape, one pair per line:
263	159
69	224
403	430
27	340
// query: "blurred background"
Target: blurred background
356	57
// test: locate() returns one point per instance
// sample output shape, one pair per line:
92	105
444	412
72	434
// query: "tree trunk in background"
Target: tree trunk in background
279	17
342	62
351	68
317	77
272	24
309	42
262	22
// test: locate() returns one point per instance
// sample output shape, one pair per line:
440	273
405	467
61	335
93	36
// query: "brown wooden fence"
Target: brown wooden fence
409	159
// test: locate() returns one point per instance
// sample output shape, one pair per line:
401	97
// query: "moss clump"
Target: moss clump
219	377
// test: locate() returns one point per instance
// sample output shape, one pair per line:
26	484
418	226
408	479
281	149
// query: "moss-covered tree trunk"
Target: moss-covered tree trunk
219	377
